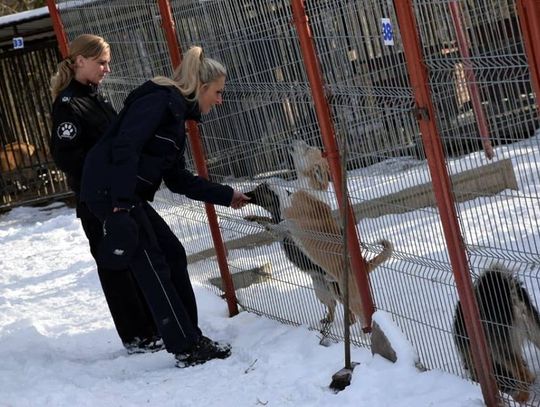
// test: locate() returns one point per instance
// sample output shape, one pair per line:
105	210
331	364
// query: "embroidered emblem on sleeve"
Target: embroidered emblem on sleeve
67	131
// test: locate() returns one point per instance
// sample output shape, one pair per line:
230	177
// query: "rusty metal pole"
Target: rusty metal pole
167	23
443	194
470	79
58	28
322	110
529	19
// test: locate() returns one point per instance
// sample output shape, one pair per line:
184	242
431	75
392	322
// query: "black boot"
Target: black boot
203	351
145	345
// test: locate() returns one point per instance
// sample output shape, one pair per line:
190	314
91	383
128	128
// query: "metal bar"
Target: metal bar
322	110
58	28
345	221
167	23
470	79
443	193
529	19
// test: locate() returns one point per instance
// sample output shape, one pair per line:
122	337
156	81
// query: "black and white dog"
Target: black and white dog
509	318
326	290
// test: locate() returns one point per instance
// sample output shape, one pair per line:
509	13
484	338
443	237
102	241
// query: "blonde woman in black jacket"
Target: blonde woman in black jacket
80	116
143	148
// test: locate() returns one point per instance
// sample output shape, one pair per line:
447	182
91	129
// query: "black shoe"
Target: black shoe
145	345
203	351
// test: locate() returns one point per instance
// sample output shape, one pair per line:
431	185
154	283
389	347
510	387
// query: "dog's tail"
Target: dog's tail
385	254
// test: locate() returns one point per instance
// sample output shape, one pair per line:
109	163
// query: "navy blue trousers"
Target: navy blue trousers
128	307
160	267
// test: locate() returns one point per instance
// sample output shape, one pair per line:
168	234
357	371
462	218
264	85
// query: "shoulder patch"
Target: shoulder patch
66	130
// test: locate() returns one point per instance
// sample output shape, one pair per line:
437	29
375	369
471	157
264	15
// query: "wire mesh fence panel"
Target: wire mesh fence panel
389	182
480	83
133	30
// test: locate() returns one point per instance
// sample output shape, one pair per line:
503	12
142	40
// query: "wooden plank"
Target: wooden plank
487	180
245	278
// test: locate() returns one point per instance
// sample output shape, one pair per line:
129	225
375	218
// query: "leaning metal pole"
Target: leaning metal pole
529	20
342	378
167	23
425	114
58	28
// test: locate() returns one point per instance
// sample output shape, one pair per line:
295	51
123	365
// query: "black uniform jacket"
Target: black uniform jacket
80	117
144	147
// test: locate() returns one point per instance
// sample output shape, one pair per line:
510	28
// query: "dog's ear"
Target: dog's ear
319	176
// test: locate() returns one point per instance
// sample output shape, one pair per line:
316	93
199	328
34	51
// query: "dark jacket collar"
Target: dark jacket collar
190	109
192	106
79	88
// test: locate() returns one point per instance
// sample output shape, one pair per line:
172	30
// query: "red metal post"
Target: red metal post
314	73
470	79
443	194
529	19
58	28
167	23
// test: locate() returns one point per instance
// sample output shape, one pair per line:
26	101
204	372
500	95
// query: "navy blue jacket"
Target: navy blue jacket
144	147
80	116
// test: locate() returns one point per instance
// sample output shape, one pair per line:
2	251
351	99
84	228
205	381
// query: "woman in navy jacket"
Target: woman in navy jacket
144	147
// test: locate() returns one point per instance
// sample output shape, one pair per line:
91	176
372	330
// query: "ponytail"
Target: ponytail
195	70
62	77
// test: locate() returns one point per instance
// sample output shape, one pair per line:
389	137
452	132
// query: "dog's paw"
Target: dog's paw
326	341
530	377
327	320
261	220
521	396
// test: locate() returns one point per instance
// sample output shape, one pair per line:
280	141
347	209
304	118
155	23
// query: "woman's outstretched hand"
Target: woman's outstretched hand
239	200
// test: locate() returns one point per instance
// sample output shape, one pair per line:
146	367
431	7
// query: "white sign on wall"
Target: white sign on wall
18	42
387	31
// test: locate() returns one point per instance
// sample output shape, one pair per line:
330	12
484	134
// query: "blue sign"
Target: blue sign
387	31
18	42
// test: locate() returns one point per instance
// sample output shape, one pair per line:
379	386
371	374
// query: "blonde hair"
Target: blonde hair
194	70
86	45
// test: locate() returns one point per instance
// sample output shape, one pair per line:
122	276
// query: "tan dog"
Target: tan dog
310	223
315	230
311	167
16	156
22	168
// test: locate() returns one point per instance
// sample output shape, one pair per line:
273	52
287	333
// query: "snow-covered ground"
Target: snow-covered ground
59	348
58	345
